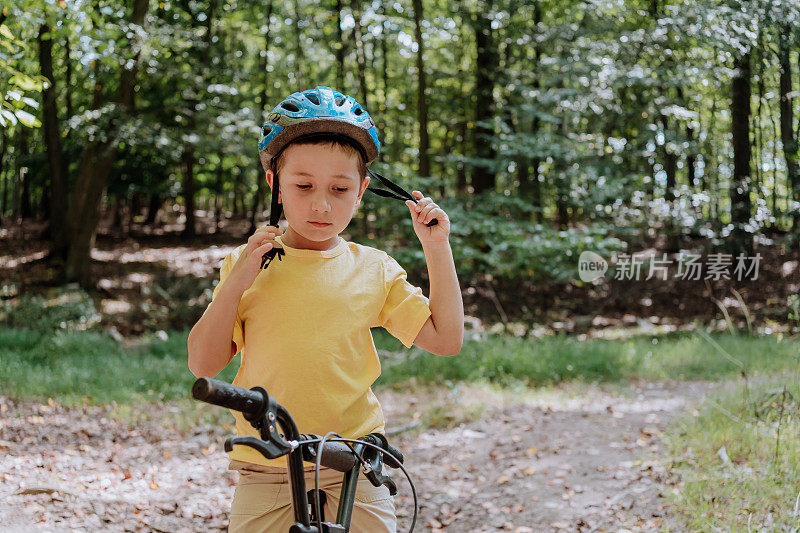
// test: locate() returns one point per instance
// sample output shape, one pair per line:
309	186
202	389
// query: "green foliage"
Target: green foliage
494	235
794	309
589	104
63	308
170	302
16	104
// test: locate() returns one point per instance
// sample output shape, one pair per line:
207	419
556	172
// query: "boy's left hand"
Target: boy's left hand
423	212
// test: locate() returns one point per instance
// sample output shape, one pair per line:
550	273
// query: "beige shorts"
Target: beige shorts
262	501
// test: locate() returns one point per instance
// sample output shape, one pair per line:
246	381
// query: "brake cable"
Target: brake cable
348	442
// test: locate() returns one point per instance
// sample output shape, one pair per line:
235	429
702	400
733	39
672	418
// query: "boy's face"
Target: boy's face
320	188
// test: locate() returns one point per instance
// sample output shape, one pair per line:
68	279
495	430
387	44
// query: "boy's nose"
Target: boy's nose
320	203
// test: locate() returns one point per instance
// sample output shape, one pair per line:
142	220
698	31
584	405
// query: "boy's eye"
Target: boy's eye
304	186
341	189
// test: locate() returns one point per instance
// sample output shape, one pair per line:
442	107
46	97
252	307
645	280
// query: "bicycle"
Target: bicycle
369	453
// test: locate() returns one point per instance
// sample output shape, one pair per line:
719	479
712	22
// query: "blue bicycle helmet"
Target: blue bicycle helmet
317	111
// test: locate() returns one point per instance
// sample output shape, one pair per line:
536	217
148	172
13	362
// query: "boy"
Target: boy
302	324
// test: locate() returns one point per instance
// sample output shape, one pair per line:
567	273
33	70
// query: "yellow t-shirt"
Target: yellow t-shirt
303	332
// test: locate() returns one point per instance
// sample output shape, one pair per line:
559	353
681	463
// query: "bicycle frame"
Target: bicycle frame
265	414
294	458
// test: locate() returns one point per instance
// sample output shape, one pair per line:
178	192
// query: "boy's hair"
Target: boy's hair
331	141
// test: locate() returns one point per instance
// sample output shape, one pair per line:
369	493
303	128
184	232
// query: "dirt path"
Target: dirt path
589	463
534	462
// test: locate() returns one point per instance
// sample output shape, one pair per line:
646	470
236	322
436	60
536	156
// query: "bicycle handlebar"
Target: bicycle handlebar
253	404
339	456
265	414
249	402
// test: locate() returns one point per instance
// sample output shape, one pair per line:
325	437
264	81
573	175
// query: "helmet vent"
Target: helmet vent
266	131
312	98
290	107
358	111
339	100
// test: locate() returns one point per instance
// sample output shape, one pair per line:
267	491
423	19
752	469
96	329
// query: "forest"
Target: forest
548	128
622	179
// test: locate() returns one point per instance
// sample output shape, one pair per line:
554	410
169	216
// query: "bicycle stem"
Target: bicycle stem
295	463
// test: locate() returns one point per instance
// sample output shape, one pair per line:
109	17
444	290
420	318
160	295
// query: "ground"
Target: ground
571	458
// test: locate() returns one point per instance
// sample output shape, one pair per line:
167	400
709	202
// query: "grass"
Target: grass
505	360
755	484
91	367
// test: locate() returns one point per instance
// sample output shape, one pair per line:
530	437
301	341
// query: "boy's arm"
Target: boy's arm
443	332
210	342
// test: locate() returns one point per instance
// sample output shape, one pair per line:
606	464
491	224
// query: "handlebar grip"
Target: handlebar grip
335	455
249	402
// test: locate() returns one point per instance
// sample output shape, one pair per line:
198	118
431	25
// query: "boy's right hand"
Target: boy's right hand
247	267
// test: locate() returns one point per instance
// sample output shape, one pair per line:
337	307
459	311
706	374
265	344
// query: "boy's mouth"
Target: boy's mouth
320	224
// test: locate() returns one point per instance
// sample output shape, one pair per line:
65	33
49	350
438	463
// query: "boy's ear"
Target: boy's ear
362	189
270	175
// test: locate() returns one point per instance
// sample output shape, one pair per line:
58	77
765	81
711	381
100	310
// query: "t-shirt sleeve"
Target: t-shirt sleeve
224	270
406	309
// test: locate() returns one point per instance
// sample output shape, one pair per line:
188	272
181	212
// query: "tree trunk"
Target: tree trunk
187	168
93	170
691	158
529	183
670	162
116	215
53	149
262	103
563	185
153	209
4	198
360	55
790	144
188	158
3	173
562	181
68	75
462	140
483	177
384	54
741	239
134	207
21	191
299	56
339	46
422	105
218	206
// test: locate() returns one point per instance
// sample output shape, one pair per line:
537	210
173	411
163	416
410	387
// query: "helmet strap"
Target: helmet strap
275	208
275	211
